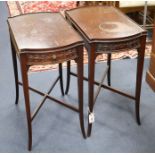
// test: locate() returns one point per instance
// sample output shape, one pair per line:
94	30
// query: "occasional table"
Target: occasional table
106	30
40	39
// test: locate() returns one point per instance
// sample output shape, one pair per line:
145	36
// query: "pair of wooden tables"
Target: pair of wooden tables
45	38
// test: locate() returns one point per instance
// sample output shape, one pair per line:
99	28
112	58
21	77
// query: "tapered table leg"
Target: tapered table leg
61	78
140	62
14	59
109	69
80	87
68	77
24	70
91	72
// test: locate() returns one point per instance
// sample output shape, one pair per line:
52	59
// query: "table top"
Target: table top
103	23
38	31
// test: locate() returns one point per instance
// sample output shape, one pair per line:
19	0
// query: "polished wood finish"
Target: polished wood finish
140	63
24	70
39	39
101	3
107	30
42	32
103	24
79	61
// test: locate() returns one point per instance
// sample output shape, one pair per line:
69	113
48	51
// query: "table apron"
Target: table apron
109	47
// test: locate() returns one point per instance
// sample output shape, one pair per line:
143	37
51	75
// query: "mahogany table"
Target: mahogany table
40	39
106	30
